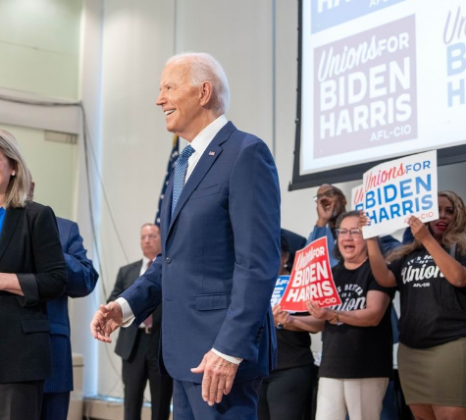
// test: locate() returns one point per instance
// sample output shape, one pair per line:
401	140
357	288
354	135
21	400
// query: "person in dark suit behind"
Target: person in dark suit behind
220	227
139	347
32	272
82	279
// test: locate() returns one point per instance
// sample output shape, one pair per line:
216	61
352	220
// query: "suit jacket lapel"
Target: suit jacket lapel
9	226
134	275
208	158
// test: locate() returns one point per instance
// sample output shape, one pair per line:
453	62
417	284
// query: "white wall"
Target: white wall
51	163
89	186
39	41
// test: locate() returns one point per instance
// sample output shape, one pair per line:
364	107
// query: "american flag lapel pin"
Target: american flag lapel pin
211	153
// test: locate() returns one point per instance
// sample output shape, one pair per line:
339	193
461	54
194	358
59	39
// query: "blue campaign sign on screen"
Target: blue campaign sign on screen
328	13
280	286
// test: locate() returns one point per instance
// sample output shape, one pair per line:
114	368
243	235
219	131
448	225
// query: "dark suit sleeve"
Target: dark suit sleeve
254	209
82	276
119	285
146	292
49	280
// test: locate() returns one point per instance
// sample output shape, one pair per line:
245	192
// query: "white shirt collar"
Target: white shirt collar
203	139
144	267
145	260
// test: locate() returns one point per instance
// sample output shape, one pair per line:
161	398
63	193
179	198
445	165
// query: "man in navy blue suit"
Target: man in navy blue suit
220	227
82	279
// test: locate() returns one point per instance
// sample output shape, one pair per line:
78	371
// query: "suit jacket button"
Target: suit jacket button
168	260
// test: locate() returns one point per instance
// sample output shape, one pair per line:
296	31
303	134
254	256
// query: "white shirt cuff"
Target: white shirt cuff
128	315
232	359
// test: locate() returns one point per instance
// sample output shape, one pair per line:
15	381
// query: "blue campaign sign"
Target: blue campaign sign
328	13
280	286
397	189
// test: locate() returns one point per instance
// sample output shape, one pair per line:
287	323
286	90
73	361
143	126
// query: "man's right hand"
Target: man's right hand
106	320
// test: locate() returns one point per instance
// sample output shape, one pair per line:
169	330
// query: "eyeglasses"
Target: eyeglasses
351	232
328	194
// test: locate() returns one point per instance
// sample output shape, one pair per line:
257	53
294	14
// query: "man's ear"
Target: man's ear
205	93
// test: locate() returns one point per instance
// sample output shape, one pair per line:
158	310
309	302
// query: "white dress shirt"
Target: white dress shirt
199	144
201	141
144	267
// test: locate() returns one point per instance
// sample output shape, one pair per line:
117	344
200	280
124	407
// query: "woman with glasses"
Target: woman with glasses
331	203
357	339
431	276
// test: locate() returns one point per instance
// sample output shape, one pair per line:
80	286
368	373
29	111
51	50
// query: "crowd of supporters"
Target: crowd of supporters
428	270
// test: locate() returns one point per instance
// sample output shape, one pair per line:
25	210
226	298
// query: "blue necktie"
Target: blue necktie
180	173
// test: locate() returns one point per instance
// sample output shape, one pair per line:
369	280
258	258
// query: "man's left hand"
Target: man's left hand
219	375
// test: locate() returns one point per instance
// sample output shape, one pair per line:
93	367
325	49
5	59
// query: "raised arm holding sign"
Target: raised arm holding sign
395	190
430	274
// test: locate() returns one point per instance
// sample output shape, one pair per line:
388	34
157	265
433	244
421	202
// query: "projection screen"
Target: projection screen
378	79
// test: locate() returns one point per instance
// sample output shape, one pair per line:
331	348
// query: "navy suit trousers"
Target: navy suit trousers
240	403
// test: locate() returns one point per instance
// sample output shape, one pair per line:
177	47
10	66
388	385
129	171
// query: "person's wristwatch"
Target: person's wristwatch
280	326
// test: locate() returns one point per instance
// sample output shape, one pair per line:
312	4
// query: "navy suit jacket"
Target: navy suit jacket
82	279
219	262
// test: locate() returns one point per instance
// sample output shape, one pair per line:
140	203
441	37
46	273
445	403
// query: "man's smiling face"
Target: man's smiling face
180	101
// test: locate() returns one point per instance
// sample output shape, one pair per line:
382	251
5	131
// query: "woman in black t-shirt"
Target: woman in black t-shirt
286	393
357	340
431	276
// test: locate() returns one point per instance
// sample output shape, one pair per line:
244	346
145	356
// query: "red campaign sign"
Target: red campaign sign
311	279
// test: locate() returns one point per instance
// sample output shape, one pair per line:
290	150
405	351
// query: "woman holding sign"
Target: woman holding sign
286	393
357	339
431	276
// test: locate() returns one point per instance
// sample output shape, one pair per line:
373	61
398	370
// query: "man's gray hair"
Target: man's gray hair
148	224
205	68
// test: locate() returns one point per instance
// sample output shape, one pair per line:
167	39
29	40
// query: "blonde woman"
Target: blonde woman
32	271
431	276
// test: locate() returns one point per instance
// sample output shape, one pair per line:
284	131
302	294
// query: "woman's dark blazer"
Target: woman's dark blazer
30	248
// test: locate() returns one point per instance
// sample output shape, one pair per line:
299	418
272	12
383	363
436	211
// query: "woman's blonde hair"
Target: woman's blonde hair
454	235
18	187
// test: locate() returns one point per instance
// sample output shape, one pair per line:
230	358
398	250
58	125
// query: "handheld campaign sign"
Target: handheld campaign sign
357	198
311	279
395	190
280	287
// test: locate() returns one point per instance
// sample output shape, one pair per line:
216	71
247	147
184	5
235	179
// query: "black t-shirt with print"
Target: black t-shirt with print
433	311
294	349
351	352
